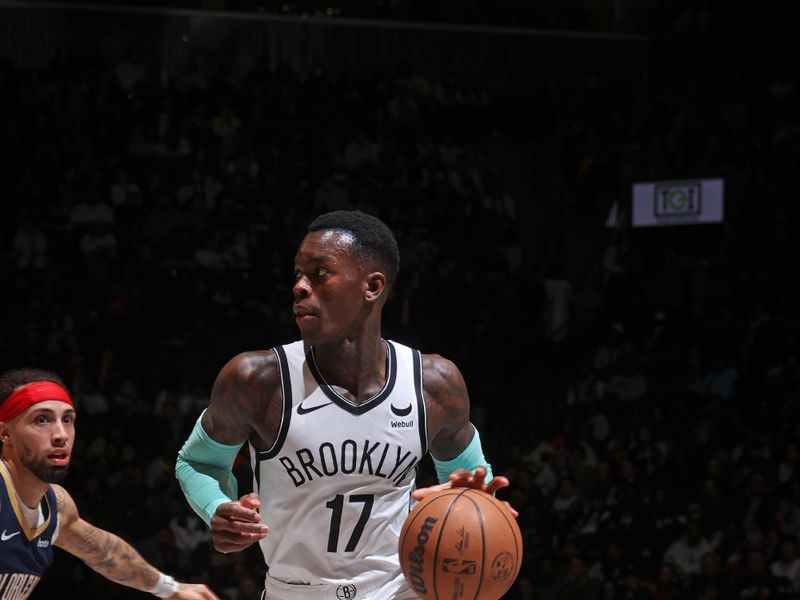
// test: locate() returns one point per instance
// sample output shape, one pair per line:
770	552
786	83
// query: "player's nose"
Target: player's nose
301	290
59	434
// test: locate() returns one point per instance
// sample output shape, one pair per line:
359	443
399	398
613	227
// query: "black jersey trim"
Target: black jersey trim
286	415
423	415
369	404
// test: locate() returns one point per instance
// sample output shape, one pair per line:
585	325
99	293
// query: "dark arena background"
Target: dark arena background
631	350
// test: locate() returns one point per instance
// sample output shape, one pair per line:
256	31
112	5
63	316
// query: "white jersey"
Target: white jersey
336	486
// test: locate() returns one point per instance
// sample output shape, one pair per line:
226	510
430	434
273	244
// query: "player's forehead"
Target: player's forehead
49	407
326	245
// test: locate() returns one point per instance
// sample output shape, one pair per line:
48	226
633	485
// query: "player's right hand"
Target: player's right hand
237	525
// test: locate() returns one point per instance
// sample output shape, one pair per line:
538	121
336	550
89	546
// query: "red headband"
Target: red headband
30	394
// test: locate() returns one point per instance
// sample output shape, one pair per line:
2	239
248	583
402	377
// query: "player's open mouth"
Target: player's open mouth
60	457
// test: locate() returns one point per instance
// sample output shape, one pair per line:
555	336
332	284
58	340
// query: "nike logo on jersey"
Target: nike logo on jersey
401	412
304	411
7	536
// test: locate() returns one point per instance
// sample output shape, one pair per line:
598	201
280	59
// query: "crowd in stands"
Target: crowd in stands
644	408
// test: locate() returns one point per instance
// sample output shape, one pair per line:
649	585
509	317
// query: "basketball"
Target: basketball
460	543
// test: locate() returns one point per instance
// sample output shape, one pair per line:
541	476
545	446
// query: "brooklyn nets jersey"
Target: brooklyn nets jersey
25	551
336	486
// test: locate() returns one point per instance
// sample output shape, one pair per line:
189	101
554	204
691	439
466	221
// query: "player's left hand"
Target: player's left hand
193	591
466	478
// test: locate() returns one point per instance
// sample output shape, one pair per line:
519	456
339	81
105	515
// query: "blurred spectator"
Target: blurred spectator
361	152
668	586
567	501
712	581
720	378
84	216
787	565
611	564
576	583
188	530
29	245
686	552
755	580
752	505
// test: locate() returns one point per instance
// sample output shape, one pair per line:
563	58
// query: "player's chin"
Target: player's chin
308	327
313	335
52	473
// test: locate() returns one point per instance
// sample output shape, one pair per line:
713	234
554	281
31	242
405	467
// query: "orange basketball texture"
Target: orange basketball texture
458	544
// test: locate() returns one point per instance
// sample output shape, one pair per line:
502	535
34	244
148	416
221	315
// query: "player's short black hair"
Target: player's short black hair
373	240
14	378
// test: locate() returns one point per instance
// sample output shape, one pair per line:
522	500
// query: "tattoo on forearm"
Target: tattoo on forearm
106	553
114	558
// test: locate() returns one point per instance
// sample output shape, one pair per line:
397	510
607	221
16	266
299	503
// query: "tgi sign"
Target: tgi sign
677	202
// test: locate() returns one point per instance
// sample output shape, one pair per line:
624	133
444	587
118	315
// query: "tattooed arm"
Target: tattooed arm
103	551
110	555
447	405
245	401
449	429
246	404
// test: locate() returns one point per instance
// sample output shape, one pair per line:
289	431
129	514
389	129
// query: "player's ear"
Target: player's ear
5	433
375	286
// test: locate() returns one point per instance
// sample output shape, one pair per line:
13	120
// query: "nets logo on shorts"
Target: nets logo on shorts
346	591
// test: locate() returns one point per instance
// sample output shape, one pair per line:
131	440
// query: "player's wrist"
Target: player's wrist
470	459
165	587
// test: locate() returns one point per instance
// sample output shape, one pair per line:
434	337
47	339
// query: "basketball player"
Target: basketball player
336	425
37	431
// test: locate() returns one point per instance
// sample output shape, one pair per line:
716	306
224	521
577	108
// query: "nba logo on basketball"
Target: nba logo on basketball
457	565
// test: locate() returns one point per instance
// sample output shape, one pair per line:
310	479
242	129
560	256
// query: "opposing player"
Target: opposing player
37	431
336	424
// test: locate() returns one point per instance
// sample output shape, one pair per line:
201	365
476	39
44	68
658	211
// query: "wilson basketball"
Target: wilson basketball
460	543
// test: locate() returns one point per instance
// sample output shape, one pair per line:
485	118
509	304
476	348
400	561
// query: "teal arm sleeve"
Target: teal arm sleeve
204	470
470	459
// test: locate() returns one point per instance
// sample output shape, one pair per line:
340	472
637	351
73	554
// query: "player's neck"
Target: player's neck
28	486
357	369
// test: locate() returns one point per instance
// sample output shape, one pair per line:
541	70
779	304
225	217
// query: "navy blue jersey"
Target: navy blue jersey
25	552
